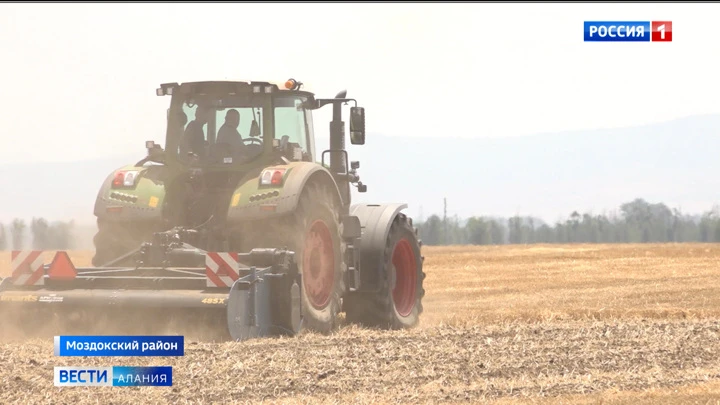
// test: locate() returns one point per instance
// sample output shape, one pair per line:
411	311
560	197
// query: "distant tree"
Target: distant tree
431	230
674	229
562	234
18	233
40	233
3	237
456	234
635	221
60	235
573	225
515	230
478	231
545	234
497	233
588	229
529	230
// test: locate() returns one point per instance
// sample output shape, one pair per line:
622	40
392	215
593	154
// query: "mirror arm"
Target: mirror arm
321	102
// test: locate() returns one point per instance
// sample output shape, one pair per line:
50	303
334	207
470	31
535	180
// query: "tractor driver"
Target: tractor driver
194	137
229	135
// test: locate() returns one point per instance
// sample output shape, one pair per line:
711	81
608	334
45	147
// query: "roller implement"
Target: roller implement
236	230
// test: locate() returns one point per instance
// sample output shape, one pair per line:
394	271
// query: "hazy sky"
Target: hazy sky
79	80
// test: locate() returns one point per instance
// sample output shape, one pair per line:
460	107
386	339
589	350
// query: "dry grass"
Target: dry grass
546	282
541	324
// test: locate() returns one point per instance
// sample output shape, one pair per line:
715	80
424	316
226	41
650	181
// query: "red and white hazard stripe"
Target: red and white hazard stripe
27	267
221	269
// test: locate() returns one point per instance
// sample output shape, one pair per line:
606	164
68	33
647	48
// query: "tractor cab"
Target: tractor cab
222	133
234	125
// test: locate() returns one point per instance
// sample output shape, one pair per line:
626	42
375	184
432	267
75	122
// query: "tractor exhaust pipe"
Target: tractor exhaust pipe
337	136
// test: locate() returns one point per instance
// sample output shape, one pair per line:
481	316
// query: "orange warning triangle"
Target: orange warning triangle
62	267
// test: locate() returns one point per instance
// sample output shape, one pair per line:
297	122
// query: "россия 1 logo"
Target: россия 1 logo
628	31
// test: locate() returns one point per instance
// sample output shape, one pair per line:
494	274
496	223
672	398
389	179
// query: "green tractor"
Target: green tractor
240	173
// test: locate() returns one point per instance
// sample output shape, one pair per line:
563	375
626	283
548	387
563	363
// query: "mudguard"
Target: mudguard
143	202
251	201
376	220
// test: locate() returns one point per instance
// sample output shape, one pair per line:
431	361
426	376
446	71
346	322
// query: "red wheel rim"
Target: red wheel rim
403	259
318	264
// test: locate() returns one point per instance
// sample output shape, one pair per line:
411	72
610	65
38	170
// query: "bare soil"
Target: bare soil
538	324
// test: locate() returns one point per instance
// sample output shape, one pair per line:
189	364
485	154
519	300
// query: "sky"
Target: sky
80	80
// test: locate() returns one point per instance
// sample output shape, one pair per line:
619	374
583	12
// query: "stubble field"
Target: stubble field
508	324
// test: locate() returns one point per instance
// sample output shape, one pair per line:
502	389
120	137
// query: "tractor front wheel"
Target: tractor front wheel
319	256
313	232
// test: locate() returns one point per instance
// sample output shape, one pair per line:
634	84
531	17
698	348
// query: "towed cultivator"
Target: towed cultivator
239	174
256	293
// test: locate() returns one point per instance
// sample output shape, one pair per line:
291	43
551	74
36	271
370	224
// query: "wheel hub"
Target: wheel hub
319	264
404	282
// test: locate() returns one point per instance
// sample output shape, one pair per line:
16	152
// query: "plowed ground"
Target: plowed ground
538	324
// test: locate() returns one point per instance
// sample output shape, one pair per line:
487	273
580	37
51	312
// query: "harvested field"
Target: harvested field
508	324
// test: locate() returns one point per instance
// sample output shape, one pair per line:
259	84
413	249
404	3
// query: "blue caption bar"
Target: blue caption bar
119	346
118	376
617	31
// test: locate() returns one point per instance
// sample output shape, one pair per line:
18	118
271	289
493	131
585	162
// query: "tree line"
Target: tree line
39	235
637	221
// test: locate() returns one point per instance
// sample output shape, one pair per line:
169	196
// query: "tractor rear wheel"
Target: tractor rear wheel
398	304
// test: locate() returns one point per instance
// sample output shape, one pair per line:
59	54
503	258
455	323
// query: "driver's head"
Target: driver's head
201	114
232	118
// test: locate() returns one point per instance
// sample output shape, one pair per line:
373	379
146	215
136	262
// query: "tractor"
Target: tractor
238	217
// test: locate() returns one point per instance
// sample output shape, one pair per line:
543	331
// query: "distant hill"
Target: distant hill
548	175
544	175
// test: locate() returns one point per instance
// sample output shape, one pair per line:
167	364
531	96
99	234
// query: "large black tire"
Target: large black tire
398	304
319	253
115	239
316	219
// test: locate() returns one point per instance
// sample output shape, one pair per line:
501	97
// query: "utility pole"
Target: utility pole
445	236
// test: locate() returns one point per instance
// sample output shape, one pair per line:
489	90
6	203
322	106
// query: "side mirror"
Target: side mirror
357	125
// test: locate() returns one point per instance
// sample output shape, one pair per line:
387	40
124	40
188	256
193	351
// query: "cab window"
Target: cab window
290	124
231	131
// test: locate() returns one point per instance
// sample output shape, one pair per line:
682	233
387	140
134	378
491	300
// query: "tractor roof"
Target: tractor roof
241	85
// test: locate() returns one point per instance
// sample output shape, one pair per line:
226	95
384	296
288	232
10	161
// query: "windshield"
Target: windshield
212	129
220	130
